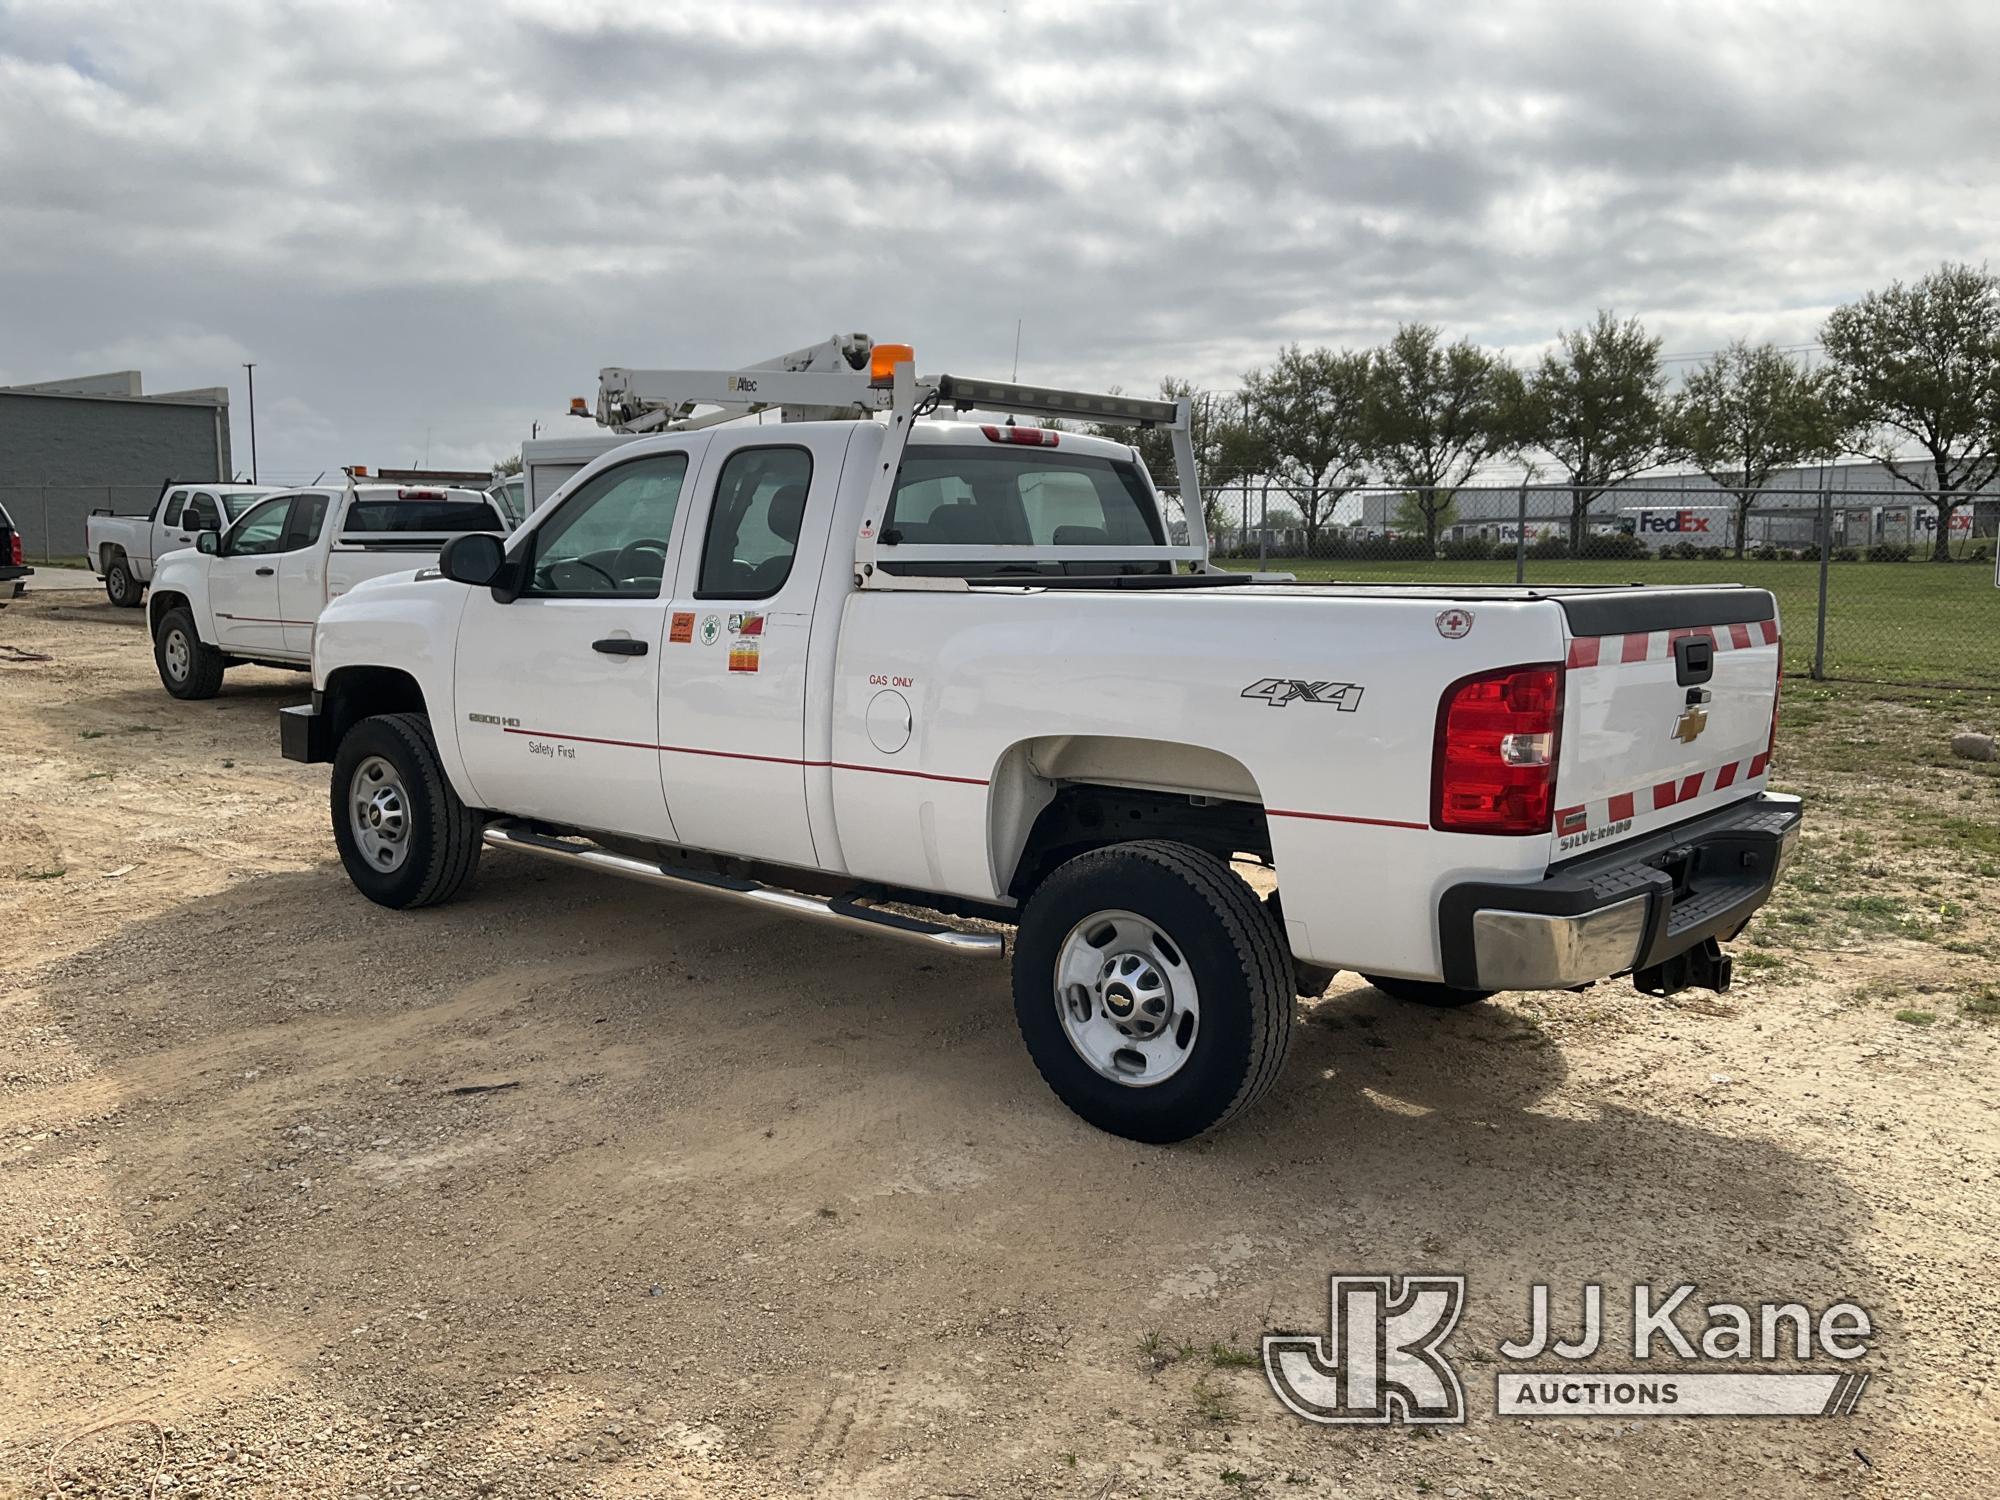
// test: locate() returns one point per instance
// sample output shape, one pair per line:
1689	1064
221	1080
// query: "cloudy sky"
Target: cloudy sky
430	224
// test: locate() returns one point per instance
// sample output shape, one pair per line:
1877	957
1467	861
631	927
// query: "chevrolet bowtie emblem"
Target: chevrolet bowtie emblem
1688	727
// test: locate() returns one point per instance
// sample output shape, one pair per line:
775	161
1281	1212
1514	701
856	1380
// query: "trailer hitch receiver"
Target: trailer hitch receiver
1703	967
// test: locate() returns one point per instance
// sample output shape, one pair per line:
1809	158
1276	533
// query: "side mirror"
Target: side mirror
473	557
208	541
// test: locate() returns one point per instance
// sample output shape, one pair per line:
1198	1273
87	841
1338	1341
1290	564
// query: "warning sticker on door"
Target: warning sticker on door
746	624
743	655
682	631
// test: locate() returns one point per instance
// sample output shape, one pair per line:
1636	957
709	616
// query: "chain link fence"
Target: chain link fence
50	517
1859	594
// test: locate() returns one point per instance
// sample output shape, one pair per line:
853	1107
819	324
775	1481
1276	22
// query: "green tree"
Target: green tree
1434	414
1225	449
1747	413
1595	405
1309	413
1921	364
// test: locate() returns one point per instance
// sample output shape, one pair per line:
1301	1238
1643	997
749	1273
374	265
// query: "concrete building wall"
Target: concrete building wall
63	455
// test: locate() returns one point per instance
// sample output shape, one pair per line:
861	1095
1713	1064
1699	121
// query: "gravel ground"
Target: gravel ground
579	1188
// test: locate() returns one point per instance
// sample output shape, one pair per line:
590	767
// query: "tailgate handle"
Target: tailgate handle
1694	660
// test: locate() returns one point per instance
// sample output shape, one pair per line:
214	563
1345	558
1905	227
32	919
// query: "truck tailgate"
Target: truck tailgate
1666	720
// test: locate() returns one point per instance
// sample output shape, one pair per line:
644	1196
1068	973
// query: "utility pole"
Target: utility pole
251	371
1017	351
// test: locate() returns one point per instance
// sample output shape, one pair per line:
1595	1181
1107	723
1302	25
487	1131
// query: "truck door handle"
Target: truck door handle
265	572
619	645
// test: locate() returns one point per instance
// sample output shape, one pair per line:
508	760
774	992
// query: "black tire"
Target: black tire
188	669
1422	992
440	834
1240	968
120	586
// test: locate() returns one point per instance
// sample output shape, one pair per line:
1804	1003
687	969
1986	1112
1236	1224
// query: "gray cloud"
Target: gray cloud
433	224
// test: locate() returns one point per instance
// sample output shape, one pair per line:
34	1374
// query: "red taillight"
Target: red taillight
1034	437
1494	763
15	555
422	495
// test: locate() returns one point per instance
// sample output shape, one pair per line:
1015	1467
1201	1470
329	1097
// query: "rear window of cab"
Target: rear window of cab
374	517
1018	497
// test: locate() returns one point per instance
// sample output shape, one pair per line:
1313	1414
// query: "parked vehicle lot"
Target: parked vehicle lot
578	1187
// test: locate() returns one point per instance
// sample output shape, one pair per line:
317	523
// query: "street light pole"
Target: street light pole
251	371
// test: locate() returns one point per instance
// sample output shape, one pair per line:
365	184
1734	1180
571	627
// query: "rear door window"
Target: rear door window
753	525
302	530
171	516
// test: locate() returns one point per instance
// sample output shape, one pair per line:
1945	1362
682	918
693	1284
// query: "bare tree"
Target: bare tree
1747	413
1309	411
1921	364
1435	413
1595	407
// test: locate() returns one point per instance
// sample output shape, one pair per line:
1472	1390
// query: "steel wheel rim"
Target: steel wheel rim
1126	998
178	655
378	813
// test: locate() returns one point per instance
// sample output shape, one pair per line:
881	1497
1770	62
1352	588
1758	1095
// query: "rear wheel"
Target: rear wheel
120	586
1152	990
188	669
1422	992
404	836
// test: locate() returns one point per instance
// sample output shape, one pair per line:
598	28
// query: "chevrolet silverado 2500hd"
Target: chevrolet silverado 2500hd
842	667
253	592
124	550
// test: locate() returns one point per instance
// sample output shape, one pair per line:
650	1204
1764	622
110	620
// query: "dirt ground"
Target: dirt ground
581	1188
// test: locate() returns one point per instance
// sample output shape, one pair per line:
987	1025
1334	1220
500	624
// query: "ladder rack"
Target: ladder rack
850	377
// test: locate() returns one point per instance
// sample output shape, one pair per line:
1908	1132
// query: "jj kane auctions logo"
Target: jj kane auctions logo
1384	1361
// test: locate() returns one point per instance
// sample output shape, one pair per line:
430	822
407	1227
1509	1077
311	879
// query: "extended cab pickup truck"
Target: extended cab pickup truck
253	592
846	667
124	550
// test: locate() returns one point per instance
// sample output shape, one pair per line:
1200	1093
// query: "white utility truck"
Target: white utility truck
253	592
863	661
124	550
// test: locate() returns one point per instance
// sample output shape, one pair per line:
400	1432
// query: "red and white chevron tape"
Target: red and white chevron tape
1658	645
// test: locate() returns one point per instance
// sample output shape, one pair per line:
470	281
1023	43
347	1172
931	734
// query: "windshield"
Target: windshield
236	502
1011	497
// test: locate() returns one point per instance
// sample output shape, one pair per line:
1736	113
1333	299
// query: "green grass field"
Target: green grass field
1914	622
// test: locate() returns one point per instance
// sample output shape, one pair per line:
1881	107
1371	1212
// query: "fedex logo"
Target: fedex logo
1673	520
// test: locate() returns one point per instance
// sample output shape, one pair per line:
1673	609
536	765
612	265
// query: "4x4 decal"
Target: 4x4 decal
1278	691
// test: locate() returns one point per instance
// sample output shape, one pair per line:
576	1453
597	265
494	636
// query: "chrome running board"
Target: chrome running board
843	911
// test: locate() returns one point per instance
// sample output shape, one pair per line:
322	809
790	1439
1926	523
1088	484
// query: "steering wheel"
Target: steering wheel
550	574
626	564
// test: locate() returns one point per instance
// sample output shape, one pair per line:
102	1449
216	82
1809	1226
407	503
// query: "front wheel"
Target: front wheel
1153	992
1423	992
120	586
188	668
404	836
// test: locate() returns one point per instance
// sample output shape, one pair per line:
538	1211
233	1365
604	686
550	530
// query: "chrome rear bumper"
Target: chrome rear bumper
1642	907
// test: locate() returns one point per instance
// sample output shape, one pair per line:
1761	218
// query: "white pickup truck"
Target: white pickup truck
124	550
253	592
845	667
